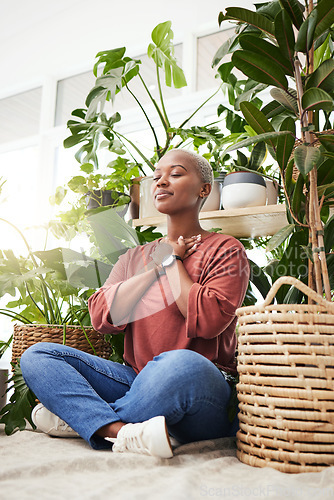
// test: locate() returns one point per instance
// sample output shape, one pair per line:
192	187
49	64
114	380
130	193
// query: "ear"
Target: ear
205	190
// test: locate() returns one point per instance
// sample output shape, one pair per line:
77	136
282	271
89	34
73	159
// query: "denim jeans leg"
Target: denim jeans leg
76	386
187	389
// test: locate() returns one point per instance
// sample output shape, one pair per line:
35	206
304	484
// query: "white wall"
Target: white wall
58	38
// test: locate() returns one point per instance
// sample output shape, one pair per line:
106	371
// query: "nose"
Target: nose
163	180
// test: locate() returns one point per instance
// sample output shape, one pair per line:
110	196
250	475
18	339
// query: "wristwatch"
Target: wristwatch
169	260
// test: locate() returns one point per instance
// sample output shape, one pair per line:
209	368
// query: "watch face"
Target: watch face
168	261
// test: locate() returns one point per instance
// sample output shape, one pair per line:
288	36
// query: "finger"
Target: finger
191	250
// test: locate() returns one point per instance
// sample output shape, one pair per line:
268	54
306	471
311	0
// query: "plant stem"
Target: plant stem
45	294
14	315
146	116
161	95
162	119
44	314
146	160
84	331
199	107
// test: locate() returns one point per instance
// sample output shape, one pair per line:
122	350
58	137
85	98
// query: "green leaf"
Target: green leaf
259	279
284	34
323	77
325	19
109	58
22	401
293	262
257	120
288	98
327	141
306	158
257	156
113	235
326	172
316	98
248	16
306	33
266	137
4	346
279	237
294	10
298	196
265	49
262	70
162	52
88	168
285	143
78	184
329	235
73	140
223	50
273	108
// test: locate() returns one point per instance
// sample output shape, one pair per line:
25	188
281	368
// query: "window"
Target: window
72	92
207	46
20	115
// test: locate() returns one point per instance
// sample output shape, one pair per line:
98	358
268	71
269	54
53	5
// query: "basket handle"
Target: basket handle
289	280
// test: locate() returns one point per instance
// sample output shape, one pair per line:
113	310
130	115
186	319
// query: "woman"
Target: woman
175	298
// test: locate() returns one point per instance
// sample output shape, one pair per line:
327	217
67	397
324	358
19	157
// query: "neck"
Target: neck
185	225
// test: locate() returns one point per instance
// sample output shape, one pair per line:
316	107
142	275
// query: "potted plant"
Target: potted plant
288	47
95	128
50	304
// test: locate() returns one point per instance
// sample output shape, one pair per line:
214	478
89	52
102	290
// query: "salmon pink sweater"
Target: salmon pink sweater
220	271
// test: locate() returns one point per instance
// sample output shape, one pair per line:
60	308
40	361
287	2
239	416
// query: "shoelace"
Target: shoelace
127	441
62	426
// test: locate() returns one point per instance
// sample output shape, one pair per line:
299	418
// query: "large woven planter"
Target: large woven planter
26	335
286	383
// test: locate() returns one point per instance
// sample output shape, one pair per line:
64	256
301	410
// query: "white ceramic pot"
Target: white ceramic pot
147	208
272	191
243	189
146	205
213	201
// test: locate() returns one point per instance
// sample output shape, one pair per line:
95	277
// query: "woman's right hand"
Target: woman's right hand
186	246
183	247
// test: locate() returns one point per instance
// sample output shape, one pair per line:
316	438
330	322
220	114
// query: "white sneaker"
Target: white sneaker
149	438
49	423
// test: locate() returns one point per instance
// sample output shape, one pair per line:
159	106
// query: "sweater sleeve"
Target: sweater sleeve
100	302
214	299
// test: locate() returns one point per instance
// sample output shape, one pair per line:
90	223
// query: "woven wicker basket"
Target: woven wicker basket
286	383
26	335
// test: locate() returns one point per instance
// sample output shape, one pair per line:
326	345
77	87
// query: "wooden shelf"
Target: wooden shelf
240	222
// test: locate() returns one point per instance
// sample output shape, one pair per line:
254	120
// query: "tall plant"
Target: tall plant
96	127
288	47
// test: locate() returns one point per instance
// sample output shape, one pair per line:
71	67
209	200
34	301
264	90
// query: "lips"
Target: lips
162	193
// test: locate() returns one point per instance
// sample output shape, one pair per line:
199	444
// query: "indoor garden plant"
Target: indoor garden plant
94	129
285	349
50	289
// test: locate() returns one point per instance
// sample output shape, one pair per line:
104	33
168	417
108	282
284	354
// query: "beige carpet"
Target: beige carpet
34	465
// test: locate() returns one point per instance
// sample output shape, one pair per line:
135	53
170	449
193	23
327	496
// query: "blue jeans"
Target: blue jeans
88	392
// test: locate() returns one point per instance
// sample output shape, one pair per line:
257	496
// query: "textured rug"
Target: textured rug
34	465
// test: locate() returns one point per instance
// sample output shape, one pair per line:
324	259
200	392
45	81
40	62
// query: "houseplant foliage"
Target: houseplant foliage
49	287
94	129
288	48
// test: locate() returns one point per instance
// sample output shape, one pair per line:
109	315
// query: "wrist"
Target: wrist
170	260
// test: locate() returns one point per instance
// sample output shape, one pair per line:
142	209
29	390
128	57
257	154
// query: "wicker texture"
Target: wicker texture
286	383
26	335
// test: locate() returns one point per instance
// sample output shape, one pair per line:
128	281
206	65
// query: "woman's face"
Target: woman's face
177	184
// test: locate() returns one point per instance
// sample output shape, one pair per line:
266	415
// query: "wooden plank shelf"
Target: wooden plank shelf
240	222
